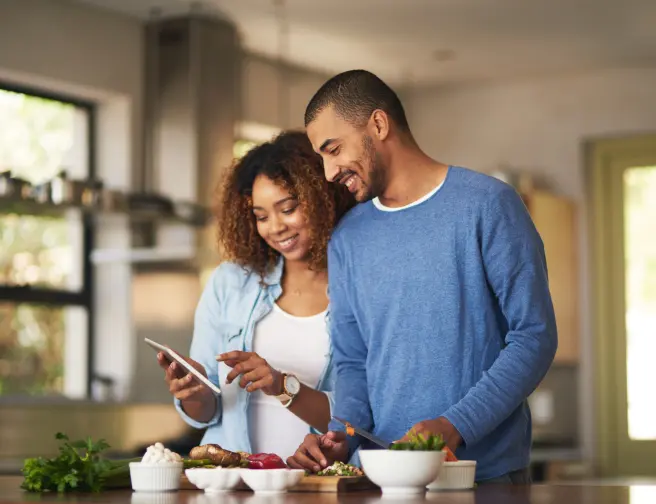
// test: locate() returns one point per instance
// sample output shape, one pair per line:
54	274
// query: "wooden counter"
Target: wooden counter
536	494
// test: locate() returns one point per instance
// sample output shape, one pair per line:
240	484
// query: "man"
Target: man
441	316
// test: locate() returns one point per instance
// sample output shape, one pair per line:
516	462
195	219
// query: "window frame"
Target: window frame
61	297
606	160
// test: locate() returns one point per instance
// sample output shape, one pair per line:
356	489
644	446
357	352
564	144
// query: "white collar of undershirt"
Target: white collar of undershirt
425	197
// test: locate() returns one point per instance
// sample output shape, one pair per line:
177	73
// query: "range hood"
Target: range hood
192	97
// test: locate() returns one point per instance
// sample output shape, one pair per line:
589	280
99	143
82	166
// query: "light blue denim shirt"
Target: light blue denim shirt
232	303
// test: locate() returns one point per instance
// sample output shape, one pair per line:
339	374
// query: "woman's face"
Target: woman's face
280	221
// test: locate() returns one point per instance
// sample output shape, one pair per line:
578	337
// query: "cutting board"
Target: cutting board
333	484
313	483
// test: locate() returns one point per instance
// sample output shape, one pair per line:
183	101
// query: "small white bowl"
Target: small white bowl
214	480
271	481
458	475
400	472
155	477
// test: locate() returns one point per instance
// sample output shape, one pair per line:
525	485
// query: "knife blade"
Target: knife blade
364	433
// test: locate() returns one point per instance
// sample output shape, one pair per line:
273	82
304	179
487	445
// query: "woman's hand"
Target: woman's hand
183	385
256	372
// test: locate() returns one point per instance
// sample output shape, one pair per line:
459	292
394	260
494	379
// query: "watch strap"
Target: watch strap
284	397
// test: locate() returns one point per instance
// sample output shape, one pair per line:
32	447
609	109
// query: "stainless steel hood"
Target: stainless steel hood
193	82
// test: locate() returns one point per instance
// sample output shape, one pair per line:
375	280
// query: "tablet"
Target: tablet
173	355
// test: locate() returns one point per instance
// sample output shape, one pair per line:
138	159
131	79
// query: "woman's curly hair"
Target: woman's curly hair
289	160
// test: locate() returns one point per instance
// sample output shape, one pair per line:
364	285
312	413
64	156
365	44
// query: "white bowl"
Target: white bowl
155	477
271	481
400	472
214	480
458	475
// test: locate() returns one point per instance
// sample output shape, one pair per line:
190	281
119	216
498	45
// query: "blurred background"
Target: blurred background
117	117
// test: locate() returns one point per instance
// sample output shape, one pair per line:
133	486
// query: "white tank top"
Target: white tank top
290	344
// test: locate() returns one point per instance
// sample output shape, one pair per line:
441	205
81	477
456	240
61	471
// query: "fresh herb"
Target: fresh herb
80	467
419	442
340	469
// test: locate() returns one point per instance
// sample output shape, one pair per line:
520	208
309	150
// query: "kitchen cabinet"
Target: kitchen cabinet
555	219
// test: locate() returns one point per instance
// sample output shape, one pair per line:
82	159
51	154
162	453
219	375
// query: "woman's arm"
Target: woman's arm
202	409
310	405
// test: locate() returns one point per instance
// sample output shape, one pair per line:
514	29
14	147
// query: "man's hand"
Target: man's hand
441	426
256	373
320	451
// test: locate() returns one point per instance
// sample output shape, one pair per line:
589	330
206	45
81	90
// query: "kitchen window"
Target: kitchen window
250	134
241	147
45	272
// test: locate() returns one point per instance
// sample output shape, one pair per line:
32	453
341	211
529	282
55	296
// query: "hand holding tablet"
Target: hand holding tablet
173	356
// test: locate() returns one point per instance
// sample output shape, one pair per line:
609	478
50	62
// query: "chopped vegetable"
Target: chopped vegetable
450	457
79	467
341	469
217	455
419	442
265	461
244	459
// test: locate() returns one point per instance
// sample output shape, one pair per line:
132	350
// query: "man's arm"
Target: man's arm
515	264
349	352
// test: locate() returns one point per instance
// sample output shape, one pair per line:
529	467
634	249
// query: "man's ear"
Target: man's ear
380	124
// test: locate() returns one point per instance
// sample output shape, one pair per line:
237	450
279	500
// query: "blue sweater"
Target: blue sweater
443	309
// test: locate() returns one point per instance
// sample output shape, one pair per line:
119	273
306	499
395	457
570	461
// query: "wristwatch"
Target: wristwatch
291	386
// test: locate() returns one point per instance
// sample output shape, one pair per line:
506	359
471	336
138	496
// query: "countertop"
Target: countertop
501	494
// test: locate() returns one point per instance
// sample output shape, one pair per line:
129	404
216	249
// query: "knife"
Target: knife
364	433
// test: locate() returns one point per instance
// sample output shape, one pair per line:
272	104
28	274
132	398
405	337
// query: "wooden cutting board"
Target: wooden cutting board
312	483
333	484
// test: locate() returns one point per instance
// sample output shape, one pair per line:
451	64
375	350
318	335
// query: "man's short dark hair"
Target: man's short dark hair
355	95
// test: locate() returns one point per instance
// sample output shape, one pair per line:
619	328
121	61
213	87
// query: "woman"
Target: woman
262	314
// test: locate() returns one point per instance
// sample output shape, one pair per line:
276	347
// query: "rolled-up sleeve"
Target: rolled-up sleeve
206	343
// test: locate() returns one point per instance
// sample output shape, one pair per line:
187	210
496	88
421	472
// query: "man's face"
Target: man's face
349	155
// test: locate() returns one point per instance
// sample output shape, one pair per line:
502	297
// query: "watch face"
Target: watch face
292	385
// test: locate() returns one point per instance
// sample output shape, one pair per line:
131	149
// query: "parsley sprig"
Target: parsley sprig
78	466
